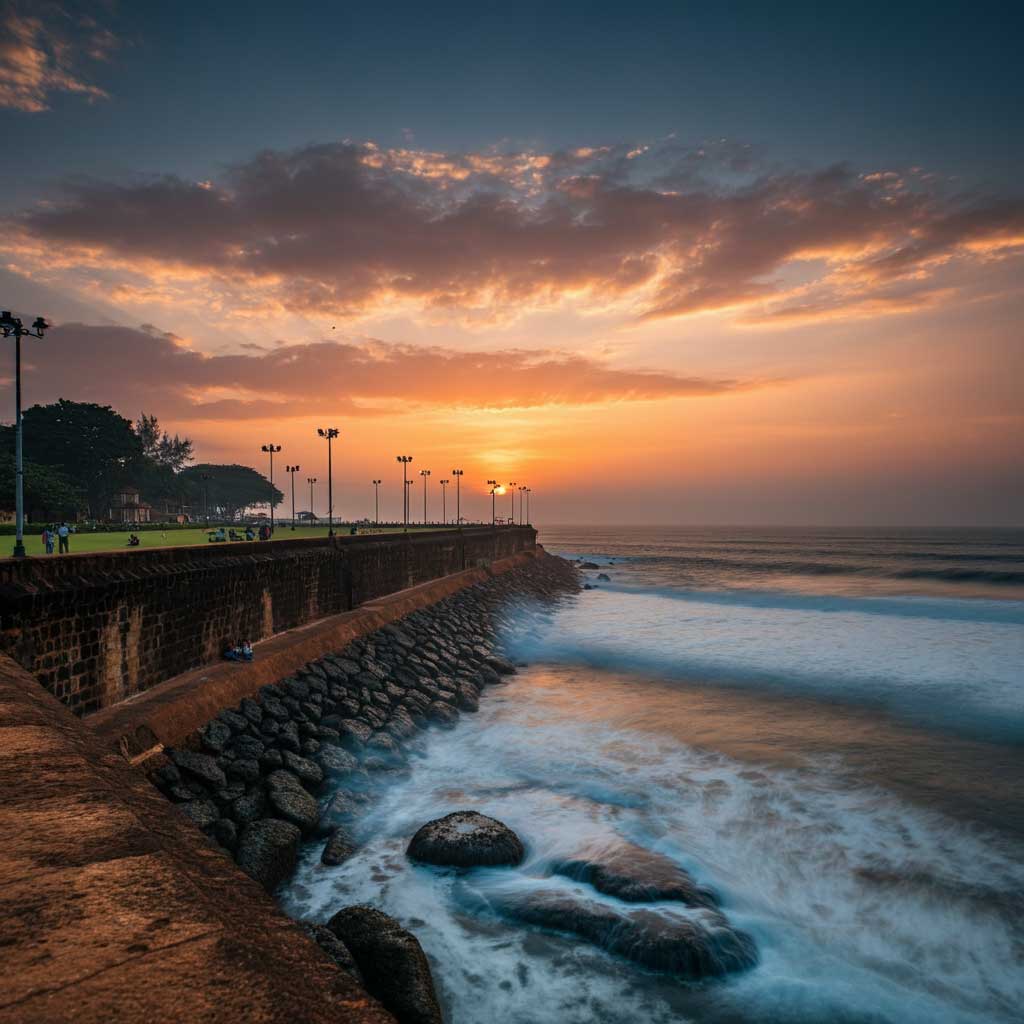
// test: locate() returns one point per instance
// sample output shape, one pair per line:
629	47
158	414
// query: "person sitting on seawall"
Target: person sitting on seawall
239	652
133	540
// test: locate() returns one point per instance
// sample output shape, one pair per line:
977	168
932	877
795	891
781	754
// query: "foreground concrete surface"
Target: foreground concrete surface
113	908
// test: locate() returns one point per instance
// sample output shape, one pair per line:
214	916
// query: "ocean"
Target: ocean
826	727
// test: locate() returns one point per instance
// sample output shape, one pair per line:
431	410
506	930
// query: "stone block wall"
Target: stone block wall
98	628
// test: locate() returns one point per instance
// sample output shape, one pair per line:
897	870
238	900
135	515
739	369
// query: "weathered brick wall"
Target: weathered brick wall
95	629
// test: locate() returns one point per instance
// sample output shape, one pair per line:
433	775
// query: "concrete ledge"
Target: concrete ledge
172	710
116	909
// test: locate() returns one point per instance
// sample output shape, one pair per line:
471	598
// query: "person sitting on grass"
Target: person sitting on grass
133	540
218	535
250	533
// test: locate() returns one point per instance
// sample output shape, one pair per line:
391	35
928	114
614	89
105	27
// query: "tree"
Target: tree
172	453
49	494
232	489
91	445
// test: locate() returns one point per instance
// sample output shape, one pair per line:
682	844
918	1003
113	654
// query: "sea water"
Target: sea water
825	727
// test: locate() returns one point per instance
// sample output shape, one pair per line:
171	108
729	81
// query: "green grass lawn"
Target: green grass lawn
87	541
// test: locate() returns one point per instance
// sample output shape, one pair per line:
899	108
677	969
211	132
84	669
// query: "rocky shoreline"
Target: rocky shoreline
300	761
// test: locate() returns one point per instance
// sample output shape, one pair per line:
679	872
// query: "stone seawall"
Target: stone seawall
95	629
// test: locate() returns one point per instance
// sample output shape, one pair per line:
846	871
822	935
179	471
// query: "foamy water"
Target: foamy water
842	770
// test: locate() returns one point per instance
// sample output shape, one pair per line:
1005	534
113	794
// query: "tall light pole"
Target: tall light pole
311	480
457	473
408	502
270	449
376	502
424	473
493	484
206	478
528	490
444	504
522	492
292	470
405	460
13	328
512	488
330	433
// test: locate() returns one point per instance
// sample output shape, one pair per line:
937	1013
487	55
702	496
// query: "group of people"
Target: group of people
242	651
218	535
57	536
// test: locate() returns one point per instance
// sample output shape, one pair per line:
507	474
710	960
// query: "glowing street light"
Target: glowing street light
494	485
329	433
424	473
270	449
292	470
376	502
444	507
311	480
405	460
457	473
13	328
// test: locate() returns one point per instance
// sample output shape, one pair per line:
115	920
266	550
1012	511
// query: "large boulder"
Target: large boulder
334	948
199	766
633	874
291	802
466	839
691	944
267	851
391	961
338	848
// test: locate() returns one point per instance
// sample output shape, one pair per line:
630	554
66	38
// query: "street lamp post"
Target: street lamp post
424	473
405	460
270	449
311	480
512	488
493	484
457	473
13	328
444	503
522	491
408	502
376	502
528	490
292	470
330	433
206	478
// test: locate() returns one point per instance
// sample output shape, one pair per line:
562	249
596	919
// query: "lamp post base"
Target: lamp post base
19	551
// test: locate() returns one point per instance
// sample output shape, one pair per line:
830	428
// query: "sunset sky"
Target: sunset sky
668	263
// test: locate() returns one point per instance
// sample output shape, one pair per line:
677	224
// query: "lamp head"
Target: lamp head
39	325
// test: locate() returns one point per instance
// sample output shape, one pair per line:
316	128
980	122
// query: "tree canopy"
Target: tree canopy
232	489
49	493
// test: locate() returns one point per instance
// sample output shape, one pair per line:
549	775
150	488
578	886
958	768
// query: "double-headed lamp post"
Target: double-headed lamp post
376	502
444	503
424	473
311	480
13	328
292	470
494	485
528	490
330	433
512	488
270	449
457	473
405	460
522	493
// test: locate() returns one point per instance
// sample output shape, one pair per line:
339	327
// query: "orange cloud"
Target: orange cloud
152	369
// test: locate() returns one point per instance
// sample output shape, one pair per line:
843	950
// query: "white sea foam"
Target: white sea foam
863	908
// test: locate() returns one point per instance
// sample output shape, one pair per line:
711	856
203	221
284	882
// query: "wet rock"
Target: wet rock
338	848
384	745
442	714
215	736
634	875
392	962
244	769
501	665
334	948
467	698
336	762
224	832
308	772
201	813
466	839
691	944
271	759
250	807
589	565
268	850
200	766
604	577
292	803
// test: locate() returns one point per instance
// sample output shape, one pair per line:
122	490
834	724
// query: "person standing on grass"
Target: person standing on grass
48	536
62	536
